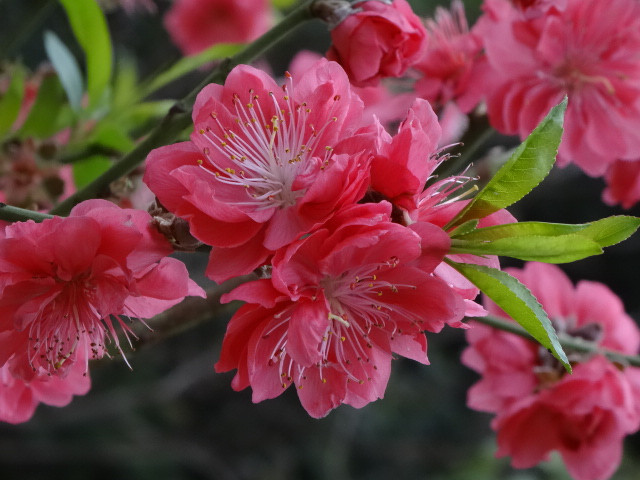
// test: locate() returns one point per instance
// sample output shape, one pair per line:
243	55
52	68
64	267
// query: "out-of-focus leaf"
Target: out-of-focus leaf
125	84
536	248
517	301
527	167
88	169
190	63
142	113
111	136
67	68
282	4
11	100
47	116
90	28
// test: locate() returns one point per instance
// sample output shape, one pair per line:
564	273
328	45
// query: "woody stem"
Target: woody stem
567	342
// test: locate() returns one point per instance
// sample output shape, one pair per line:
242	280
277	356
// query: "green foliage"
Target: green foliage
545	242
527	167
90	28
11	101
190	63
49	113
86	170
67	68
517	301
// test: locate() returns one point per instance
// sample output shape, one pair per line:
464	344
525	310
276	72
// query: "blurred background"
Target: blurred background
172	417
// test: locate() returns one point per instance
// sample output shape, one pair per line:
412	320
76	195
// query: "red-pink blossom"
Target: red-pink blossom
378	40
623	183
260	169
339	303
381	101
588	51
452	61
19	397
197	24
539	407
66	281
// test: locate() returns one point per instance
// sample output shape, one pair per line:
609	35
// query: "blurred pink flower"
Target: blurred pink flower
623	183
195	25
380	101
19	397
64	281
451	62
590	52
539	408
378	40
340	302
260	169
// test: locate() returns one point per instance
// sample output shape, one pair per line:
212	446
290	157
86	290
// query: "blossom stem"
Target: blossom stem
567	342
179	116
15	214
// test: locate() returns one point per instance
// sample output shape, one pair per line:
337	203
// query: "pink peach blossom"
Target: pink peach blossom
195	25
381	101
588	51
262	167
339	303
66	280
19	397
623	183
378	40
539	407
452	61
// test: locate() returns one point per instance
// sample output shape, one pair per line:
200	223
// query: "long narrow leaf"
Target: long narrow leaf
518	302
67	68
527	167
90	28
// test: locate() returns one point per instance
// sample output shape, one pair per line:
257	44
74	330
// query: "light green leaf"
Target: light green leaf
88	169
535	248
11	101
90	28
517	301
47	112
527	167
190	63
611	230
519	229
464	229
282	4
605	232
111	136
67	68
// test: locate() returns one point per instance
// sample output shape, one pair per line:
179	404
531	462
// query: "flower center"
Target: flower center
274	159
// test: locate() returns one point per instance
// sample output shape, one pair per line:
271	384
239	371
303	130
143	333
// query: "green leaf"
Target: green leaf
527	167
537	248
517	301
611	230
282	4
67	68
519	229
90	28
46	115
11	101
605	232
87	170
111	136
464	229
190	63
